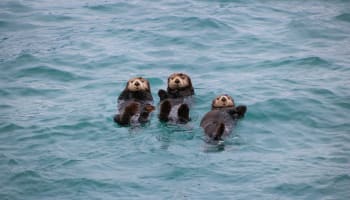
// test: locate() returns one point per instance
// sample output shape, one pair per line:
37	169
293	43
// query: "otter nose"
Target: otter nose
223	99
177	81
137	83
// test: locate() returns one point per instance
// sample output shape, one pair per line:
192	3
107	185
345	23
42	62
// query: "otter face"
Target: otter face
223	101
138	84
178	81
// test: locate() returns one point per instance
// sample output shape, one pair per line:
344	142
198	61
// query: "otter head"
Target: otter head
138	84
179	81
223	101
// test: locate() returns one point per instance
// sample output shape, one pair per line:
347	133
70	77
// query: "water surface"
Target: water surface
63	65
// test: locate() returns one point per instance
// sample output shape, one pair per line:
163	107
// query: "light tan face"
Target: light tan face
178	80
138	84
223	101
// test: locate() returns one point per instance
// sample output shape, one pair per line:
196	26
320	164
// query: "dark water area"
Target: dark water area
63	65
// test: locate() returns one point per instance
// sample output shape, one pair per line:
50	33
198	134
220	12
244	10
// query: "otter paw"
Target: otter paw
132	108
219	131
162	94
149	108
145	113
165	109
241	110
184	113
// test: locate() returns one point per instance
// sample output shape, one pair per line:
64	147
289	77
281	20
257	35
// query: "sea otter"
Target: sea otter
135	103
220	121
175	102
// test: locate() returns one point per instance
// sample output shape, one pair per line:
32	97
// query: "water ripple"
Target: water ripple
64	64
344	17
110	8
49	73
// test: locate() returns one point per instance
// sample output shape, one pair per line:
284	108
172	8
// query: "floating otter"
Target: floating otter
220	121
176	101
135	102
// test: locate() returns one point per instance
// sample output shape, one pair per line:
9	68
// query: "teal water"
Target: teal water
63	65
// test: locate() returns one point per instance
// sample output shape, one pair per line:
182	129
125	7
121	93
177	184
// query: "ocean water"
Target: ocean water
64	63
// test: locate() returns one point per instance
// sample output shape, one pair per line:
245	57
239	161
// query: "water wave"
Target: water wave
203	23
14	26
64	65
110	8
30	91
312	61
10	127
49	73
344	17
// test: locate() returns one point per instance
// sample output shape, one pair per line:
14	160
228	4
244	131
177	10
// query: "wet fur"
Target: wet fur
176	97
133	103
219	122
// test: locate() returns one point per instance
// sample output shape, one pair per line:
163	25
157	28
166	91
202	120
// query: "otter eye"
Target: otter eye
131	81
182	77
217	98
142	81
172	78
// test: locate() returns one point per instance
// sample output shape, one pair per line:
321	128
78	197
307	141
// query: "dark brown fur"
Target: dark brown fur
219	122
175	96
131	103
